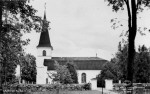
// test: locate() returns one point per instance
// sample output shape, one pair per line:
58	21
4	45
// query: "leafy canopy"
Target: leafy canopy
61	74
16	17
116	69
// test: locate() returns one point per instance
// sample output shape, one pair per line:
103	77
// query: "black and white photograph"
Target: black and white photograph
74	46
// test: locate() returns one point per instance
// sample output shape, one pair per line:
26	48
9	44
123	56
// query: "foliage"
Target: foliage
72	69
87	86
116	69
110	71
142	64
50	87
119	4
62	74
16	16
26	20
28	68
133	7
121	61
11	48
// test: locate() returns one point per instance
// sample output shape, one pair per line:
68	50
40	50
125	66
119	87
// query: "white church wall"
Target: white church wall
41	75
41	69
109	84
93	84
89	74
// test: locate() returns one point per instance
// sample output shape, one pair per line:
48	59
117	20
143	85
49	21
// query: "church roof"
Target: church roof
82	63
44	37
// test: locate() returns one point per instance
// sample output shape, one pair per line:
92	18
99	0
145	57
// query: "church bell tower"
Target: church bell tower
44	51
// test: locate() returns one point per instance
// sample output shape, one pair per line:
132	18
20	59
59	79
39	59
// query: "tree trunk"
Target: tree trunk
131	46
131	53
1	90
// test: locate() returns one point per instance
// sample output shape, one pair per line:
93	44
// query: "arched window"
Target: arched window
83	78
46	80
44	53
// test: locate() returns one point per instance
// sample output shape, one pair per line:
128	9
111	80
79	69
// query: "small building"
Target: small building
87	67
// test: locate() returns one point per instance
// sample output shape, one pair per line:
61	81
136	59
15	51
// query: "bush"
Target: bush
48	87
87	86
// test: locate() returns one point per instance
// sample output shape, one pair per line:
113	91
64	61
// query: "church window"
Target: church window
44	53
83	78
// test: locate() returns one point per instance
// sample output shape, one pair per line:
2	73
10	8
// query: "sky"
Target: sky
82	28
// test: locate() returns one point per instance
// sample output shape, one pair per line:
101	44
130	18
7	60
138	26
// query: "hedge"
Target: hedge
46	87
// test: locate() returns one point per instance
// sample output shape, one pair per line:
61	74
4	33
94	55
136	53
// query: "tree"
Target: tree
110	71
116	69
142	64
133	7
11	50
121	60
72	69
19	16
28	68
62	74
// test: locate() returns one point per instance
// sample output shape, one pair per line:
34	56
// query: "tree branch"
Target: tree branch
138	3
125	1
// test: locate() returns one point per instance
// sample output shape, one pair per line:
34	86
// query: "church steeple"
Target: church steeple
44	37
44	15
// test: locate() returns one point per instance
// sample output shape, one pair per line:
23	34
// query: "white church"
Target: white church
87	67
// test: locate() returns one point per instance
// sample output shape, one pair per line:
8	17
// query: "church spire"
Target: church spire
45	12
44	37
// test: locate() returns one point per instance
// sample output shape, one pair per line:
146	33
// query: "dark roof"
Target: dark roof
77	58
82	63
44	37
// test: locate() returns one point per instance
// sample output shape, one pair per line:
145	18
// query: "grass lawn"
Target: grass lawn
70	92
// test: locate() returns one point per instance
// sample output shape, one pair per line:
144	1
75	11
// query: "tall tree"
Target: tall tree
28	68
133	7
15	16
110	71
142	64
61	74
116	69
72	69
121	60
